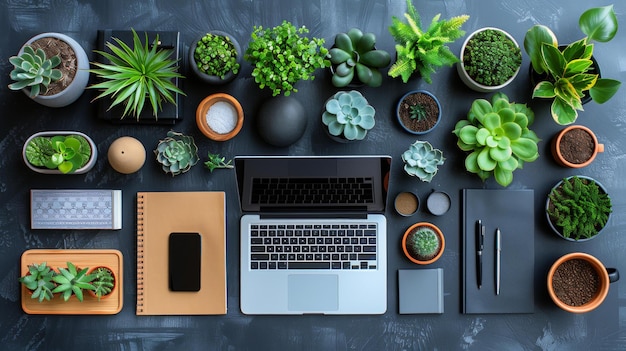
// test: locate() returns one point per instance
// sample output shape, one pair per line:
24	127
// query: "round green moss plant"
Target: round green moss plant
491	58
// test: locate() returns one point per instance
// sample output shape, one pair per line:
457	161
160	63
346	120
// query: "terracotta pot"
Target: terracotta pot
399	108
84	169
471	83
93	293
76	88
556	151
203	109
437	231
207	78
605	275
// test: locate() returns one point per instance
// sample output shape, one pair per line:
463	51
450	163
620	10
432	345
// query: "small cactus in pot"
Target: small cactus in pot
423	243
348	115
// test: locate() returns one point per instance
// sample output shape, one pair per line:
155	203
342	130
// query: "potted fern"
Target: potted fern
131	79
578	208
51	68
423	50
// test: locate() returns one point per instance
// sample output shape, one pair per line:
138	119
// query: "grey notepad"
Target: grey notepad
420	291
76	209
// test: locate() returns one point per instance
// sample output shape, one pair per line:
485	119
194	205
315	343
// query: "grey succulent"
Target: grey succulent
349	115
33	70
176	153
421	160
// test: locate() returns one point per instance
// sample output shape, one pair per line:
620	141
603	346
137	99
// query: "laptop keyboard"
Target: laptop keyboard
312	191
313	246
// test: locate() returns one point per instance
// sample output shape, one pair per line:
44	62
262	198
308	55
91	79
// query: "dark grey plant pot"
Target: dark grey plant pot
281	121
215	80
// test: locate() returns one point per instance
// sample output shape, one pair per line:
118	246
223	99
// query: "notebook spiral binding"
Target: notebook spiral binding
140	253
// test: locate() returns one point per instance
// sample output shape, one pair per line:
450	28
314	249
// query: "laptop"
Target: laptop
313	234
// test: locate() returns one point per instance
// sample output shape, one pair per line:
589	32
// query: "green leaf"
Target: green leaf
604	89
533	41
503	176
554	60
484	160
544	89
562	113
599	24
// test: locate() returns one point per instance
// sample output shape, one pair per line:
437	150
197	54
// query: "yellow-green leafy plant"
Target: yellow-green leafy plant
423	50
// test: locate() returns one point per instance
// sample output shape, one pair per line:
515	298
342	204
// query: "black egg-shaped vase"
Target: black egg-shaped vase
281	121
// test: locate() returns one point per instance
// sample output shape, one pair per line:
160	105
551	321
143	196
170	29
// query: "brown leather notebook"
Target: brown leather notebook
158	215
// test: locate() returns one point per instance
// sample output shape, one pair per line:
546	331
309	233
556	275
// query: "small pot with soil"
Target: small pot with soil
579	282
575	146
406	203
418	112
423	243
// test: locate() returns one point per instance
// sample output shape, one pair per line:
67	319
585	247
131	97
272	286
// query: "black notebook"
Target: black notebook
511	211
170	113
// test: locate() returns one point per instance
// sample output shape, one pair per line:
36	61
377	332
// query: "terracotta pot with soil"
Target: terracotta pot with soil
418	112
423	243
579	282
575	147
74	68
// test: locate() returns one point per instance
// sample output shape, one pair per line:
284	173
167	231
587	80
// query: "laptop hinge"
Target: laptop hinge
314	215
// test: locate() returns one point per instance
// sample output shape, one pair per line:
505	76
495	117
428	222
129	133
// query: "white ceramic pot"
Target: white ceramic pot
84	169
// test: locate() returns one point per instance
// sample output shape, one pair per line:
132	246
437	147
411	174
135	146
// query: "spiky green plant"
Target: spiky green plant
348	115
103	281
498	137
39	281
33	70
417	112
580	208
216	161
177	153
423	50
421	160
424	243
72	281
135	75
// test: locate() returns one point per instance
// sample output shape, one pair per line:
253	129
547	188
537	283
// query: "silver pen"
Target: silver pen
498	254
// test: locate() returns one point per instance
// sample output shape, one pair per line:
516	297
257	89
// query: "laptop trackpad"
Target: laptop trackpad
313	292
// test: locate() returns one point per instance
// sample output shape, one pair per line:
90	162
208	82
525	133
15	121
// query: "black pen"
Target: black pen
480	240
498	258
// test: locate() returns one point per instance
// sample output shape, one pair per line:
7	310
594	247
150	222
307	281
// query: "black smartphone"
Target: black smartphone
185	252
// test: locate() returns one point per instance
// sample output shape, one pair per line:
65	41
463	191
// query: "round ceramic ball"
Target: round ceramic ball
281	121
126	155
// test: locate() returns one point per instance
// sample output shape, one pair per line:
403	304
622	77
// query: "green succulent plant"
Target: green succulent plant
568	73
134	76
39	281
423	243
491	58
354	52
282	56
216	55
103	281
418	112
177	153
65	153
348	115
580	208
72	281
423	50
498	137
421	160
33	70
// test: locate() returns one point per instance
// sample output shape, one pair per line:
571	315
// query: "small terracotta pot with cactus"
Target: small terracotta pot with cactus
423	243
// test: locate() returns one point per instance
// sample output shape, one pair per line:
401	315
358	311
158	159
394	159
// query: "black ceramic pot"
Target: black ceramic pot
215	80
281	121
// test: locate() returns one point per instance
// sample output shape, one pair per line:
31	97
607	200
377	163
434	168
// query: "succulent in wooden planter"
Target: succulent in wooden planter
39	281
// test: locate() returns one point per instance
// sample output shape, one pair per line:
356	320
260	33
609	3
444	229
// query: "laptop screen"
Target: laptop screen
320	183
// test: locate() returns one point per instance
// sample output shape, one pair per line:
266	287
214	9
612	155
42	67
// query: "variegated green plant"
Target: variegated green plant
348	115
498	137
33	70
568	72
421	160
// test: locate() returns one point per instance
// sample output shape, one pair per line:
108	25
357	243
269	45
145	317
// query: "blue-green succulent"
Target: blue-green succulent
348	115
33	70
421	160
177	153
498	137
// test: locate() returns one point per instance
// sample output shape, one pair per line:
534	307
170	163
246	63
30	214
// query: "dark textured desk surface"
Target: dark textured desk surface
547	329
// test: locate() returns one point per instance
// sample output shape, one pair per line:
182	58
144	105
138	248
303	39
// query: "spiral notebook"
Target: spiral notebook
160	214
